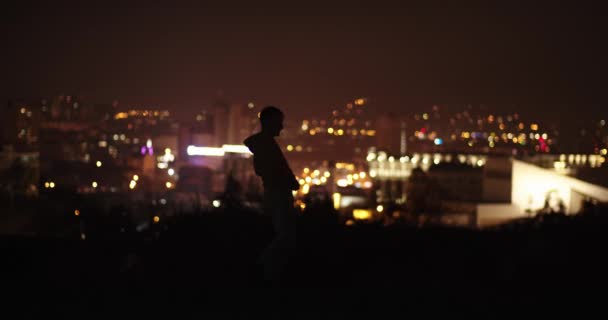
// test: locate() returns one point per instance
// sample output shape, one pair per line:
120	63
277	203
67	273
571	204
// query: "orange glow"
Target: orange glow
121	115
77	212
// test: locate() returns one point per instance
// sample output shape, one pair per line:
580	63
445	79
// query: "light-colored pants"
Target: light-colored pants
279	204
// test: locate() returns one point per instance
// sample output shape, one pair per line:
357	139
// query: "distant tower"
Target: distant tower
220	123
403	142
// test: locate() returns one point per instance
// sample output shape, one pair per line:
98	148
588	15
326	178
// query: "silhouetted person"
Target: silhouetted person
279	181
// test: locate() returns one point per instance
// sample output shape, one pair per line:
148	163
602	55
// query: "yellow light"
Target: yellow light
52	185
77	212
46	184
305	189
380	208
301	182
171	171
362	175
308	179
121	115
360	102
425	116
371	133
356	176
330	130
289	148
316	173
132	184
168	184
167	151
299	148
216	203
465	134
135	177
98	164
156	219
312	132
362	214
336	197
302	205
327	174
306	170
94	184
604	151
340	132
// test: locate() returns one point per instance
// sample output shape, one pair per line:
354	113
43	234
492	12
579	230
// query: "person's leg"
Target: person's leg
276	255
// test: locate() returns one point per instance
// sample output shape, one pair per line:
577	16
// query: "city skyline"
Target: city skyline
310	59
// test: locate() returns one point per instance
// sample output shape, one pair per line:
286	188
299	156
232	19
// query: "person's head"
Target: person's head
271	119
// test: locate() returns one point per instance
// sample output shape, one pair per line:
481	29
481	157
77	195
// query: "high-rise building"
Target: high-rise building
8	118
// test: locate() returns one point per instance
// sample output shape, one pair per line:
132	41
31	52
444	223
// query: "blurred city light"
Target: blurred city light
362	214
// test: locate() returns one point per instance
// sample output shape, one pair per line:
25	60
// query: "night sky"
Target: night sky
308	57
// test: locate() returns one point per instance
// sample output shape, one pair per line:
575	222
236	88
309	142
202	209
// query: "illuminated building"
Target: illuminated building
534	185
343	135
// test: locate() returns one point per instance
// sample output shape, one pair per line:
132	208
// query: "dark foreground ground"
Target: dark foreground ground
196	266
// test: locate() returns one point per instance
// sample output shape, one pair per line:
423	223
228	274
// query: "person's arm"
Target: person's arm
294	185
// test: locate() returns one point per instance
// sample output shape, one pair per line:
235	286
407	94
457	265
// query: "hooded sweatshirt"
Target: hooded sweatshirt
269	163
